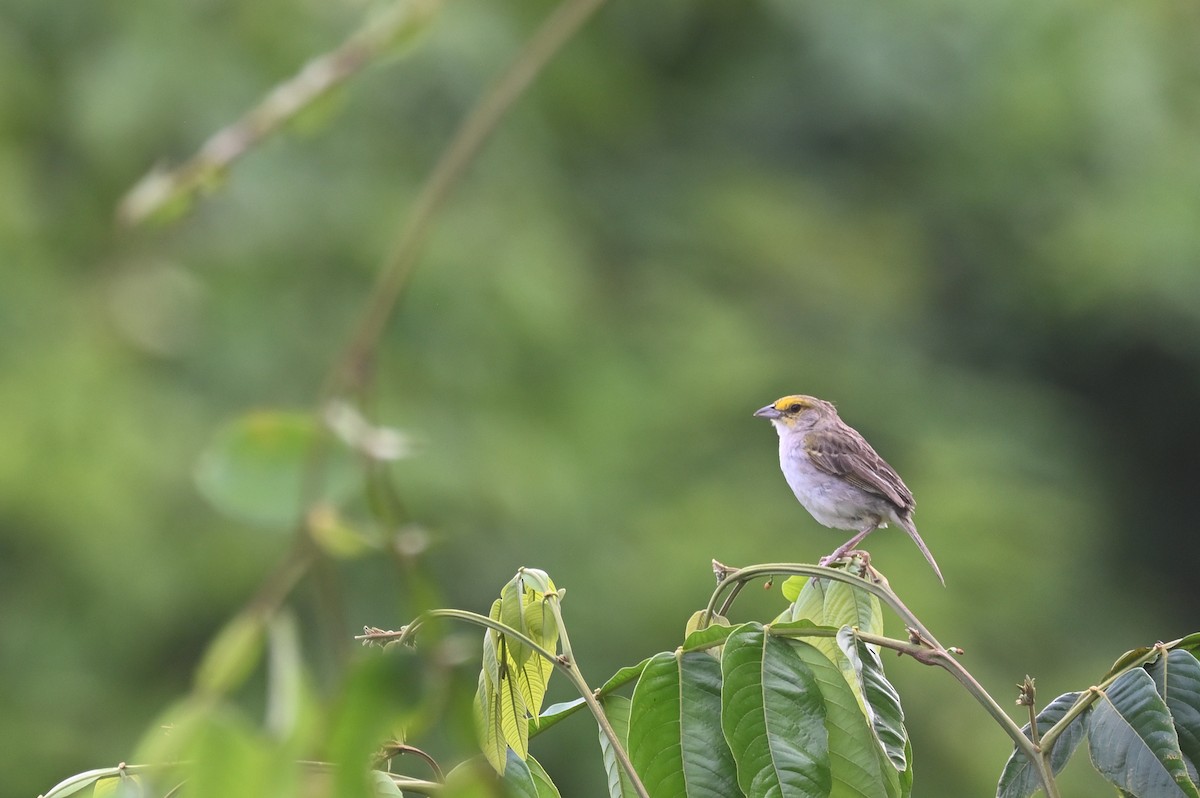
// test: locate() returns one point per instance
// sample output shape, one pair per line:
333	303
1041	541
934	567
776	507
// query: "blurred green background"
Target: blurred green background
974	226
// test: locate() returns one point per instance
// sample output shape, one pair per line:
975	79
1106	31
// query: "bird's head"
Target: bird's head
796	411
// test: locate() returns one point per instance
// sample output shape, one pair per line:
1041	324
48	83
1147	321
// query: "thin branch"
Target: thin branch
165	187
573	673
354	368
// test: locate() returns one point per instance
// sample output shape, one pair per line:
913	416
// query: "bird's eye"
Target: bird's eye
794	407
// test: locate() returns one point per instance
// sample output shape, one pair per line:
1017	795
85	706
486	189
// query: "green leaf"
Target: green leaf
697	617
625	675
1190	643
675	737
1132	740
882	701
1019	779
773	716
522	778
1177	679
616	709
526	779
231	656
499	706
541	780
708	638
123	786
254	468
525	609
858	764
553	714
654	731
829	603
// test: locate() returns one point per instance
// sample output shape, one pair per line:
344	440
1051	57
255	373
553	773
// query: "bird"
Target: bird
837	476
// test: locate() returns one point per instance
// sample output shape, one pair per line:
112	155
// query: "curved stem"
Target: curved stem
740	576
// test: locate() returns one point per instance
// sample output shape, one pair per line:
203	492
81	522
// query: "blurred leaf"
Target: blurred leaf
1019	779
254	469
616	709
1132	740
773	716
675	737
521	779
377	696
383	785
1177	678
335	536
287	699
231	657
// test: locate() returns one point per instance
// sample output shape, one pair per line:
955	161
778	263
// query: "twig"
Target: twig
163	187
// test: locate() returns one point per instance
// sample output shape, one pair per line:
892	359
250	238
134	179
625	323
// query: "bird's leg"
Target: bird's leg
847	546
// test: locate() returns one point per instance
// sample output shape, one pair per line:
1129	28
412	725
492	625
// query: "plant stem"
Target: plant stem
572	672
355	365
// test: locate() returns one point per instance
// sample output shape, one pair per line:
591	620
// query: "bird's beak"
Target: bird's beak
767	412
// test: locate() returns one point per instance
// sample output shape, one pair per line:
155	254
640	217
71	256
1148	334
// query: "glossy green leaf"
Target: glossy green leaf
881	700
1132	740
829	603
858	764
254	468
231	656
654	729
1019	779
1177	679
773	717
675	737
616	709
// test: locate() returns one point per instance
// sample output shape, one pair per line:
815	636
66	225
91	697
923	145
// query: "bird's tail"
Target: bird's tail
912	533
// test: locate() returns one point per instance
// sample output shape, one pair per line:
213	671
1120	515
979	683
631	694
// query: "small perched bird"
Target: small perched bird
836	474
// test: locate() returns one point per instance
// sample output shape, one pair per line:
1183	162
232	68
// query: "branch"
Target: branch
165	187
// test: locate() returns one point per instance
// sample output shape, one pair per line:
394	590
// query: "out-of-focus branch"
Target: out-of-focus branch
354	369
165	187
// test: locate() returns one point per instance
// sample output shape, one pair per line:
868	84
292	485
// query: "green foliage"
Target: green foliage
991	213
1134	723
255	469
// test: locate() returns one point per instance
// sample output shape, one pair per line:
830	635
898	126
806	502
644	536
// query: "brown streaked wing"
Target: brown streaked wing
846	454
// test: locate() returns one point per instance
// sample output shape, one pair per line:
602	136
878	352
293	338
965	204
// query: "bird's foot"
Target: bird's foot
862	556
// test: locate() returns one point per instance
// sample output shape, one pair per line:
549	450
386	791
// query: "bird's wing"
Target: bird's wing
846	454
